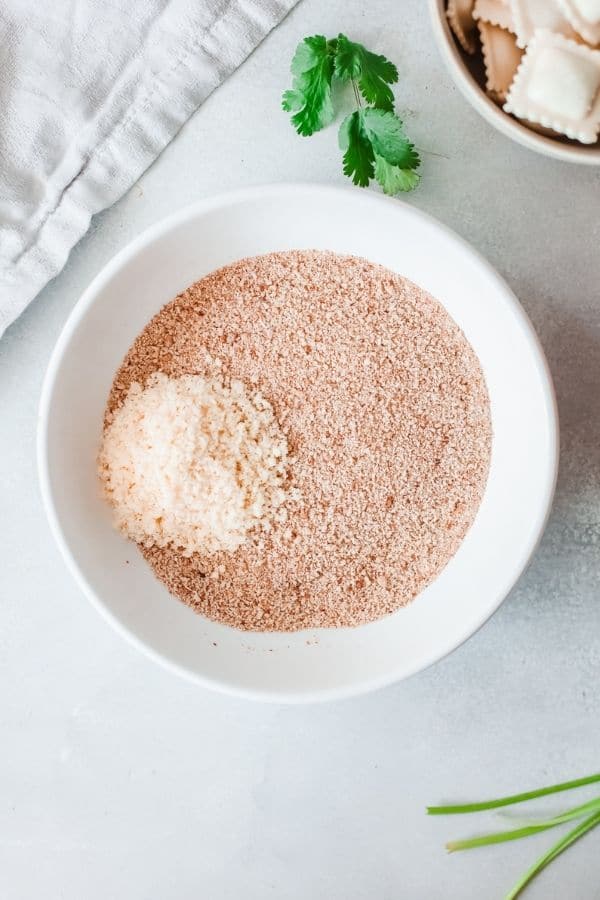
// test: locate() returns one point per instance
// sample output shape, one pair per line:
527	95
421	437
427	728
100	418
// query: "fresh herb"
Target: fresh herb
589	810
513	798
372	137
372	74
310	97
552	853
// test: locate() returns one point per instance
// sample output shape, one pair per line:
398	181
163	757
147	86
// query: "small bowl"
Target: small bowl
321	664
454	57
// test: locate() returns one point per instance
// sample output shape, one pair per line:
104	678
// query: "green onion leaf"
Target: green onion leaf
514	834
514	798
553	852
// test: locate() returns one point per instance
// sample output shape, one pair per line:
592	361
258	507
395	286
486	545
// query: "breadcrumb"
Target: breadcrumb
386	415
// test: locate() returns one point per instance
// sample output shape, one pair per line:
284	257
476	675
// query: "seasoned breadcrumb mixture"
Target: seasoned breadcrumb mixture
386	414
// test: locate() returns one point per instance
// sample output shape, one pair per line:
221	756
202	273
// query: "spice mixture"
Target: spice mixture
385	411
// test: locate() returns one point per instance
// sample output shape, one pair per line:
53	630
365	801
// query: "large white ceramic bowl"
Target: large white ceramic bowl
318	664
455	59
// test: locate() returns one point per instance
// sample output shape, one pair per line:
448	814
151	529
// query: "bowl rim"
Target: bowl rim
474	93
89	297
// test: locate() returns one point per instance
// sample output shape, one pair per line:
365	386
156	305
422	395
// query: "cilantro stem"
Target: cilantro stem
356	94
553	852
593	806
514	798
432	153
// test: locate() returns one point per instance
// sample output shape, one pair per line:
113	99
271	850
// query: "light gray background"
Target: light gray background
117	780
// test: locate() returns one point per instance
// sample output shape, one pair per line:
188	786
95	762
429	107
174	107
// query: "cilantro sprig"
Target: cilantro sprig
372	137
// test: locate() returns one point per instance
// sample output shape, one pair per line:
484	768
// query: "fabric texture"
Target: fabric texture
91	91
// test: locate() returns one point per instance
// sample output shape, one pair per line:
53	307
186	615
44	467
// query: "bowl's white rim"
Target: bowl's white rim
490	111
88	298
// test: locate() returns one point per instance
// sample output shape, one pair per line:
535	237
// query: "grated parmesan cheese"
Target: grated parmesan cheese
194	464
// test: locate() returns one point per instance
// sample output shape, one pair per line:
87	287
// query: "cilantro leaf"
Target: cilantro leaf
372	137
310	96
358	156
372	73
386	133
394	179
347	59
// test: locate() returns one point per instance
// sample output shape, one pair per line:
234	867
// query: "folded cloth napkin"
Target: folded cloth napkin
91	91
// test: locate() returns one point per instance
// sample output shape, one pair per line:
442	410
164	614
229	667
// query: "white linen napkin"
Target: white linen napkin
91	91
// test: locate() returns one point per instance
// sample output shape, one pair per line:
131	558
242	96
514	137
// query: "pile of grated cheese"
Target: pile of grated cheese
194	464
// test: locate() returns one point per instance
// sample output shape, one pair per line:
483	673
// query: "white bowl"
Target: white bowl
474	93
318	664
